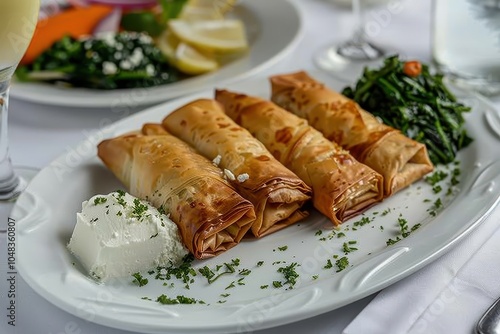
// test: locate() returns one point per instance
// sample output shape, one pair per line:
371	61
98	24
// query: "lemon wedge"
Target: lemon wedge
220	7
191	61
185	57
167	43
191	13
220	36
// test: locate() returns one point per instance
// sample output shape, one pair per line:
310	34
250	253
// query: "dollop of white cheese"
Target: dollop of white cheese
118	235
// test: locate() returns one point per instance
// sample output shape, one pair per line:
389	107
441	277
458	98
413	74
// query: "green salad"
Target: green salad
105	61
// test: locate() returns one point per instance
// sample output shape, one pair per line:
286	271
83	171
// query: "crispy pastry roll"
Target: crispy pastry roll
342	187
212	217
277	193
399	159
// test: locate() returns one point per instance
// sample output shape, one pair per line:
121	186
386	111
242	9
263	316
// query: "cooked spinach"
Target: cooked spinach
406	96
107	61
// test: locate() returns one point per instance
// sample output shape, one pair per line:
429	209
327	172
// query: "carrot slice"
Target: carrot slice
76	22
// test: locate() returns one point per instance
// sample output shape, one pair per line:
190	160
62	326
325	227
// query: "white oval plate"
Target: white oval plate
45	216
273	28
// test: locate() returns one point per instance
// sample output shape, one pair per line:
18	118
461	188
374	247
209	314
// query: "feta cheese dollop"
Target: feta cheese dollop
118	235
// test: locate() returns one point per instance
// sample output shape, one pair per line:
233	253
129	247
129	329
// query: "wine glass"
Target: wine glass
18	20
347	60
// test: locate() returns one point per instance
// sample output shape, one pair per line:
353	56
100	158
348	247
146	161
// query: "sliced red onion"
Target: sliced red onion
110	23
130	4
79	3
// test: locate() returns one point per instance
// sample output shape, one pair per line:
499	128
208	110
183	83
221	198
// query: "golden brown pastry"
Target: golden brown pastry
399	159
342	187
212	217
277	193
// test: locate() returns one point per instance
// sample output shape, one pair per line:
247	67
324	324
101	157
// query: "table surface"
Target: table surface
39	133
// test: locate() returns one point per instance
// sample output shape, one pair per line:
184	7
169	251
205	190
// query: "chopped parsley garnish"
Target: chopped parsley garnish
454	176
290	275
329	236
328	264
277	284
283	248
435	207
184	272
139	208
437	189
139	280
120	198
164	299
392	241
404	231
415	227
260	263
100	200
244	272
161	210
342	263
347	248
212	275
363	221
436	177
403	226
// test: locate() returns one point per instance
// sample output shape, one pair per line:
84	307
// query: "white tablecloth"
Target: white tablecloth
39	134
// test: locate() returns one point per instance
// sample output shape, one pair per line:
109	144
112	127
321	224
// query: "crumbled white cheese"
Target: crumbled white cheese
229	174
118	235
137	57
107	37
150	70
87	45
109	68
145	38
243	177
125	64
217	160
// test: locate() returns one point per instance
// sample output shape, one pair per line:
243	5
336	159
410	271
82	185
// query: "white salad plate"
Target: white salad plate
273	28
46	215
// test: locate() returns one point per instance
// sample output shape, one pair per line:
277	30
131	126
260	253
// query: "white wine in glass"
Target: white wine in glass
18	20
347	59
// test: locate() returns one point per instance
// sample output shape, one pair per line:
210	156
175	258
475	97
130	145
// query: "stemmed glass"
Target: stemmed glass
350	57
17	23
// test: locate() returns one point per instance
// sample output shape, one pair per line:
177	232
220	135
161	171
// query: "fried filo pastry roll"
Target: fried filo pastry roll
277	193
212	217
399	159
342	186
